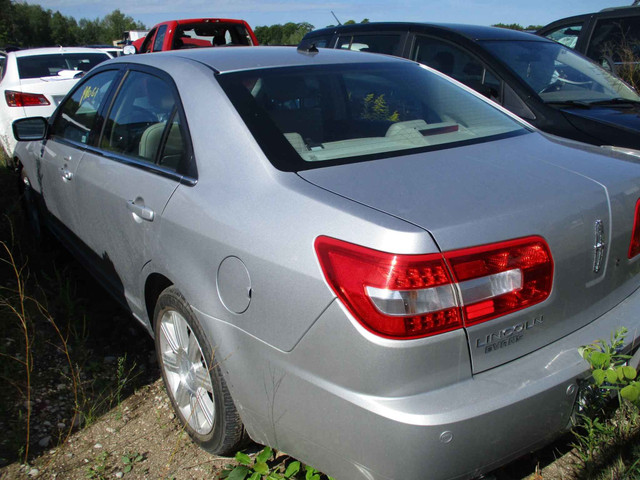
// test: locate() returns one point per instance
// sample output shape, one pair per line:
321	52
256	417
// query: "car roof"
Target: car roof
230	59
472	32
206	20
54	50
605	13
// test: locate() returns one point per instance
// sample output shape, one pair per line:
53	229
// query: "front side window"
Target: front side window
388	44
147	43
79	113
567	35
143	119
457	63
309	117
617	40
558	74
50	65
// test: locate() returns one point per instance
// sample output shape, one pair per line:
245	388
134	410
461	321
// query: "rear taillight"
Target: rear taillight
501	278
22	99
634	246
412	296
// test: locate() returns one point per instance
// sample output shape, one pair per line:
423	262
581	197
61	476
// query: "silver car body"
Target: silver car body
306	376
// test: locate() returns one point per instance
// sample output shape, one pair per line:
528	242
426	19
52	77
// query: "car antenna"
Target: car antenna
334	16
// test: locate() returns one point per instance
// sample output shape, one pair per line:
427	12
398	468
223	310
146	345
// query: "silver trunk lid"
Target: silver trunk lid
513	188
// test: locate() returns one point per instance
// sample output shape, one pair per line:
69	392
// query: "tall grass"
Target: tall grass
58	330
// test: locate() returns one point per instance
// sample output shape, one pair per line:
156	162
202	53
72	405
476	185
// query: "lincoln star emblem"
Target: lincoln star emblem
599	247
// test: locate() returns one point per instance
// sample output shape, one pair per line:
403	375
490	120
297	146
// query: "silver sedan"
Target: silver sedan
351	258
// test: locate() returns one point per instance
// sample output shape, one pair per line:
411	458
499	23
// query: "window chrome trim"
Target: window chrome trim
146	166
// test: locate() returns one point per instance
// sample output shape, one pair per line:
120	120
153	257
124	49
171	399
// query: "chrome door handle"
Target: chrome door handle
66	174
140	210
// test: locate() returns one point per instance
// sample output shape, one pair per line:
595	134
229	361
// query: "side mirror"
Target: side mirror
129	50
608	64
30	129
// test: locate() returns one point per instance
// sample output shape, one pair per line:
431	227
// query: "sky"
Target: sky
269	12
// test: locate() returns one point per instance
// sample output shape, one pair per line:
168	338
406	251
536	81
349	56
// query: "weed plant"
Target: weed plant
68	354
268	465
607	438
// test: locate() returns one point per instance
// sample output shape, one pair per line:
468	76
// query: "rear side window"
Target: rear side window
37	66
567	35
374	43
617	39
3	62
210	34
78	114
157	43
144	122
320	41
457	63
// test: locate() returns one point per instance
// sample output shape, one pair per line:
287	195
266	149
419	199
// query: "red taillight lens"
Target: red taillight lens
501	278
406	296
22	99
412	296
634	246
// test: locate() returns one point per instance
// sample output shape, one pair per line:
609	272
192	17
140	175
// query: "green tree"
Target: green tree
90	31
288	34
510	26
5	21
64	30
30	25
115	24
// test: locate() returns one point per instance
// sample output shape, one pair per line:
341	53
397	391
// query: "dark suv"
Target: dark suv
551	86
607	36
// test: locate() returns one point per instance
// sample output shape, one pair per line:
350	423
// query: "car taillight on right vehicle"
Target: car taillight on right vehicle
414	296
634	245
22	99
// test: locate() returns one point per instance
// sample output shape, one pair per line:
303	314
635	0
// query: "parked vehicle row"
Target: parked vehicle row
555	91
349	257
544	82
34	81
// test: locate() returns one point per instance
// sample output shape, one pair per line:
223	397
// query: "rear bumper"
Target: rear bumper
451	432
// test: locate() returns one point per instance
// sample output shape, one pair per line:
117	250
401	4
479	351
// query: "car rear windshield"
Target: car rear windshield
36	66
310	117
208	34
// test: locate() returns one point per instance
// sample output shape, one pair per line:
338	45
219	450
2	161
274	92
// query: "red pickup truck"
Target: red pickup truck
194	33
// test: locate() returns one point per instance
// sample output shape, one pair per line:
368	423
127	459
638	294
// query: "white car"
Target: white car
34	81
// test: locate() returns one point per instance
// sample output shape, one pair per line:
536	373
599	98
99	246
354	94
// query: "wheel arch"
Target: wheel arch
155	284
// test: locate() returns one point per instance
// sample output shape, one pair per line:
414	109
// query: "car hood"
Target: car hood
610	125
507	189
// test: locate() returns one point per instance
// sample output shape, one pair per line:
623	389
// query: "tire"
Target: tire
192	377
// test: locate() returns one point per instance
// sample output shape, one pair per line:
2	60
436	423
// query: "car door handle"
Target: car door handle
140	210
66	174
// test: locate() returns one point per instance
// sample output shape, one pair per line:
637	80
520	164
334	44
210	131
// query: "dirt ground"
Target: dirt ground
130	432
144	425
